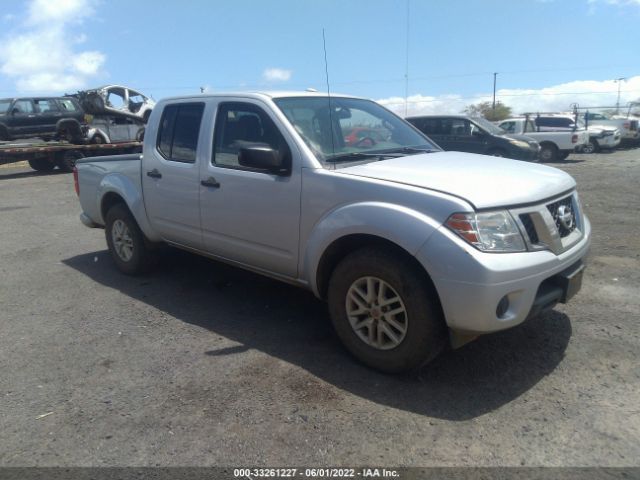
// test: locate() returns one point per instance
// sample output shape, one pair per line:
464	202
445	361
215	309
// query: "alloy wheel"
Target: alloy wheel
376	313
122	240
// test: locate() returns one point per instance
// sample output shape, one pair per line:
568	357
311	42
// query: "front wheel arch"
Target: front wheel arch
348	244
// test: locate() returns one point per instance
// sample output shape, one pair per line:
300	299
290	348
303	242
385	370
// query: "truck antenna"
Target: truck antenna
326	72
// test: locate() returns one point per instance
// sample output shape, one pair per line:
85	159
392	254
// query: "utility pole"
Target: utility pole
619	81
495	74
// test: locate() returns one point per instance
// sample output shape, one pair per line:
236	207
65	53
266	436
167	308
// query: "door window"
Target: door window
179	130
67	105
116	98
23	106
509	127
241	125
456	126
46	105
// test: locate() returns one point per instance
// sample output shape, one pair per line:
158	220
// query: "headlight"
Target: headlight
519	143
488	231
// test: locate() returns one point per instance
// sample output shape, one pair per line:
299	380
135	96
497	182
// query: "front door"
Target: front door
23	119
461	138
250	216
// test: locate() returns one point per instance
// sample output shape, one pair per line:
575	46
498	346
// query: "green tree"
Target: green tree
485	109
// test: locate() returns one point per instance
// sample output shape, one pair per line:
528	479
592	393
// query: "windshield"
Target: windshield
354	129
4	105
488	126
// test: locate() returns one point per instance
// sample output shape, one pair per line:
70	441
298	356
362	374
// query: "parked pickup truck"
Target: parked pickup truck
411	246
557	135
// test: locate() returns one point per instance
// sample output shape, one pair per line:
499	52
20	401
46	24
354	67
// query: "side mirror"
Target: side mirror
477	133
15	110
264	158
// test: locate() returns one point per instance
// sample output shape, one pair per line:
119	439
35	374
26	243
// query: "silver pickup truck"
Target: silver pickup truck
412	247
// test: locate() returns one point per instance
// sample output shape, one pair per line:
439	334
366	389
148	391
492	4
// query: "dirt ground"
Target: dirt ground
202	364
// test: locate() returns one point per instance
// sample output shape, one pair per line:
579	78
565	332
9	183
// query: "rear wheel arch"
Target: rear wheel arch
109	200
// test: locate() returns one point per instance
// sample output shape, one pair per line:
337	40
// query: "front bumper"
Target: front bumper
471	283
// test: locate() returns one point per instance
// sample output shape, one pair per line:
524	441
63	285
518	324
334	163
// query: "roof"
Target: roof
261	95
439	116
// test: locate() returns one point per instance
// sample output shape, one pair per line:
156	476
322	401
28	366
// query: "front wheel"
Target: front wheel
126	242
548	152
385	311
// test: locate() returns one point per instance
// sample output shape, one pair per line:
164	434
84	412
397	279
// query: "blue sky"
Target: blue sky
542	49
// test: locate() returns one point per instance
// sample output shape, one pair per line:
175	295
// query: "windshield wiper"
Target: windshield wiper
411	150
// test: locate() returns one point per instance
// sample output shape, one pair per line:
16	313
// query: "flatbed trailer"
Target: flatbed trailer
45	156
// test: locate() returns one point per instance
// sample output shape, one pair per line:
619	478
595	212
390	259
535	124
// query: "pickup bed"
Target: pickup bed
412	247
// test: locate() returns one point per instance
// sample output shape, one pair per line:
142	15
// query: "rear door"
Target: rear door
170	177
47	115
432	127
250	216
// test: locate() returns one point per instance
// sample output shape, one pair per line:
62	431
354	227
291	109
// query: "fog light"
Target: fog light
503	306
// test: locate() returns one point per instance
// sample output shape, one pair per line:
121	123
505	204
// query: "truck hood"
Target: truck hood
483	181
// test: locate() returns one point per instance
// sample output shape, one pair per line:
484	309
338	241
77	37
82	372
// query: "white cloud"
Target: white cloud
276	75
42	55
587	93
620	3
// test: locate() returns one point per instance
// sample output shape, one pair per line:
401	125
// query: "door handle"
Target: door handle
154	173
210	182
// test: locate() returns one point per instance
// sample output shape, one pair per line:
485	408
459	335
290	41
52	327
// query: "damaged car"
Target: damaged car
116	100
114	129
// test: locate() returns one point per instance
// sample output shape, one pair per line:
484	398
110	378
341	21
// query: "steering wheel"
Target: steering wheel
365	142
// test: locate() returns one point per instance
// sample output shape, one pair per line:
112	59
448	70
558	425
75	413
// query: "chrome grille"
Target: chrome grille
564	216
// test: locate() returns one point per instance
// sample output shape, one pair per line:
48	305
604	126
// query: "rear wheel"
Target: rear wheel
548	152
41	164
385	311
126	242
591	147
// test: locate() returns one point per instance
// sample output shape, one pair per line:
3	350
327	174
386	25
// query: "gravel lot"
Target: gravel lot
202	364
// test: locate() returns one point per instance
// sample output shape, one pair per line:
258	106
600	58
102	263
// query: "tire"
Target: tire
425	331
548	152
41	164
67	160
126	242
71	132
591	147
98	139
497	152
